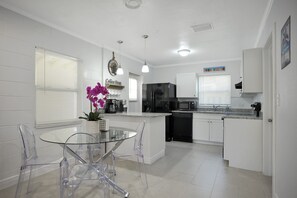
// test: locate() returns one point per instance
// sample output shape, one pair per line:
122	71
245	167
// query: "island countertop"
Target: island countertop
138	114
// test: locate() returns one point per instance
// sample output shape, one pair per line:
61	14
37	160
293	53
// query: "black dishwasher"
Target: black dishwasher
182	127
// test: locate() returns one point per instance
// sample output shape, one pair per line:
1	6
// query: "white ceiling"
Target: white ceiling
167	22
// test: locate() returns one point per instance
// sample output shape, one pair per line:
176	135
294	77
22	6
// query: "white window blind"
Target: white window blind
132	89
56	87
215	90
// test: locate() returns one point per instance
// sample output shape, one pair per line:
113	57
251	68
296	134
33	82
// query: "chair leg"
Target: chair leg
113	166
106	190
29	181
139	166
20	181
144	170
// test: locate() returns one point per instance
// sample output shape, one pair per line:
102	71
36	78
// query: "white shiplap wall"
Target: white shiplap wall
18	38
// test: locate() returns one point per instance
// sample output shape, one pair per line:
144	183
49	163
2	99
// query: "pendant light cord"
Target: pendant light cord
145	37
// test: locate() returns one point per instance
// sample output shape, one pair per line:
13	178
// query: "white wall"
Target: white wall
129	66
18	37
286	111
168	74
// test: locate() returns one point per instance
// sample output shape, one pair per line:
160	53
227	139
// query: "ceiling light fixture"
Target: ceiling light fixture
132	4
145	68
120	70
184	52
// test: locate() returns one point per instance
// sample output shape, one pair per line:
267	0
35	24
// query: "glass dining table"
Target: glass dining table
114	134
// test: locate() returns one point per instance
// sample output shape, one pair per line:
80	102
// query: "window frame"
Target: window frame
211	105
62	122
133	99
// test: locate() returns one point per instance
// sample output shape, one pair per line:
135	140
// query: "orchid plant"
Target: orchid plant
97	97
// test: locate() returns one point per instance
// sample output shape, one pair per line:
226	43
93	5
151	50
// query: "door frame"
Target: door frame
271	42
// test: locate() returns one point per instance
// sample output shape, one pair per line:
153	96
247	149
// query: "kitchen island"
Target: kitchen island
153	137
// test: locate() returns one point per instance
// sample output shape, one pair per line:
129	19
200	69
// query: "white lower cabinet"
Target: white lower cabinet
243	143
200	129
207	128
216	131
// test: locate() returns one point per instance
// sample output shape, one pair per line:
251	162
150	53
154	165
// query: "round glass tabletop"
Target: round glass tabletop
112	135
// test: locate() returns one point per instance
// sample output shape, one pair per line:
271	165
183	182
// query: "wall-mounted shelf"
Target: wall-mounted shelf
110	86
113	84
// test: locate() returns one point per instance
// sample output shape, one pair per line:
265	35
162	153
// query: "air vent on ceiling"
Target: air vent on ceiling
202	27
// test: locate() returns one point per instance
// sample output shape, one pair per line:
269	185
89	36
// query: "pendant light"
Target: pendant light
145	68
120	70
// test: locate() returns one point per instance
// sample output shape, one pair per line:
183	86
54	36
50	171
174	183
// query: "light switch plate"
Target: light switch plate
278	99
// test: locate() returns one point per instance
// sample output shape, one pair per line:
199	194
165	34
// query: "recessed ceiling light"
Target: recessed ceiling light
184	52
132	4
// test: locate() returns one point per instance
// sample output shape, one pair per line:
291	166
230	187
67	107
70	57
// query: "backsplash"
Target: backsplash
236	102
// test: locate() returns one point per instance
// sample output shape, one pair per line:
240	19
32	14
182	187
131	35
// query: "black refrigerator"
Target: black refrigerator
161	98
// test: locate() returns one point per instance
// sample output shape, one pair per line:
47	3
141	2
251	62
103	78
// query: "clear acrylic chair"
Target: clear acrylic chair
137	152
80	164
30	159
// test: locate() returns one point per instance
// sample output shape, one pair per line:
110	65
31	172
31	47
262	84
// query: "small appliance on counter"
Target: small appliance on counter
257	106
113	106
187	105
238	85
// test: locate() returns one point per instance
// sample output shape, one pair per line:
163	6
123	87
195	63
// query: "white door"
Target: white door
267	108
200	129
216	131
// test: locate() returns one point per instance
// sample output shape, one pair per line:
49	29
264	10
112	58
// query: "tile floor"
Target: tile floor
187	171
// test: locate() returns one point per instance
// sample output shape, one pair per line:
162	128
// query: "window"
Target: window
132	89
56	87
215	90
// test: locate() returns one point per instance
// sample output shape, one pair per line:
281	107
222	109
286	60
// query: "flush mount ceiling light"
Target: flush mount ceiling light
145	68
184	52
120	70
132	4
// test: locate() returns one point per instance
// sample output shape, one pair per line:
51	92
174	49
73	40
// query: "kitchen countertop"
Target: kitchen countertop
232	114
136	114
253	117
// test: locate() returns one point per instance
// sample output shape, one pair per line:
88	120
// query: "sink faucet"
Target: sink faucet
215	107
227	108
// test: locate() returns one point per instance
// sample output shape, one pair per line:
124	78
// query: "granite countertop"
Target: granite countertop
136	114
231	113
253	117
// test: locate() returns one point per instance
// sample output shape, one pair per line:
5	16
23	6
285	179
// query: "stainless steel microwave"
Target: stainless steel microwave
187	105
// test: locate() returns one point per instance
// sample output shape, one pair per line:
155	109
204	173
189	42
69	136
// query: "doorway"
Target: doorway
267	107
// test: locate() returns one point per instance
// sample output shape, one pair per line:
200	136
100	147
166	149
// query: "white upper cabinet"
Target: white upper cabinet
186	85
252	74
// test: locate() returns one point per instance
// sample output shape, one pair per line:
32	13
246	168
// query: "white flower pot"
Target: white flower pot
92	127
104	124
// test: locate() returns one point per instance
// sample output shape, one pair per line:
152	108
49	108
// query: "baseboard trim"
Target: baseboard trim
10	181
207	142
155	157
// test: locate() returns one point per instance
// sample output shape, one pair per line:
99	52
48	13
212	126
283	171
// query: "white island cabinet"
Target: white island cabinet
153	137
243	143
